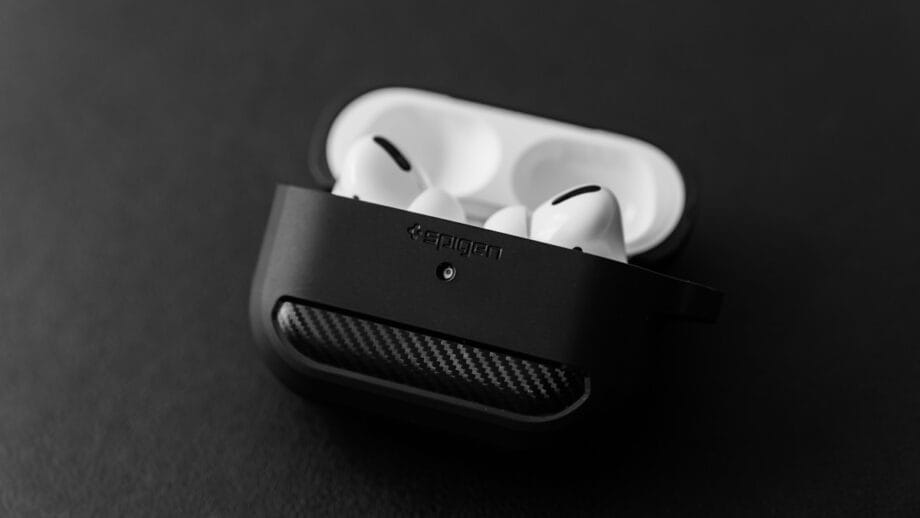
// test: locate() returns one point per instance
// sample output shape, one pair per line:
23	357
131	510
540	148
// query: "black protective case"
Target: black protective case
373	274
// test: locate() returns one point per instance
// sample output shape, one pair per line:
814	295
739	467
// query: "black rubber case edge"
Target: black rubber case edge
536	301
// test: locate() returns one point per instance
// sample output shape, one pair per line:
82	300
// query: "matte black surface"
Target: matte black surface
516	294
139	148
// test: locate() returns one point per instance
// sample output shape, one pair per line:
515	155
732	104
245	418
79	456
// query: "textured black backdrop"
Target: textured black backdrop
139	146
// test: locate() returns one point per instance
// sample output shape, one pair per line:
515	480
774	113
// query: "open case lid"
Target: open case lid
490	157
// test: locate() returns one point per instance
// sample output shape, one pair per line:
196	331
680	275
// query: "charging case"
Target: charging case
350	301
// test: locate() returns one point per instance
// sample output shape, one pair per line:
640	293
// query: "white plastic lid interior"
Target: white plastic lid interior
490	158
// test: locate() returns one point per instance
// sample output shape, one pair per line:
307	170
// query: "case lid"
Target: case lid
491	157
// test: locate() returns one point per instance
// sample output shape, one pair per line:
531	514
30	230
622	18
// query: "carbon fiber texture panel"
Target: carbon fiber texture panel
435	364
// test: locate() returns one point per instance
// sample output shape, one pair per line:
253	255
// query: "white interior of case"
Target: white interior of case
490	157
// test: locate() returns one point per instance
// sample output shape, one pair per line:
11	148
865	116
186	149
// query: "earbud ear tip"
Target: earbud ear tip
512	220
437	203
339	189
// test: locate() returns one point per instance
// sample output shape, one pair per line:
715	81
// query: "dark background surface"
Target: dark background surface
139	146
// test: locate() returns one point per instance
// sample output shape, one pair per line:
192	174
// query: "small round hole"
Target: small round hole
577	248
446	272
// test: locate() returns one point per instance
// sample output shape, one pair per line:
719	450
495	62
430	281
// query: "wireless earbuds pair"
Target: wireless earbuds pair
584	218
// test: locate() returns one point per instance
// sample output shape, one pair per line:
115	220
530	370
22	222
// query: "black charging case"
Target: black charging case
350	300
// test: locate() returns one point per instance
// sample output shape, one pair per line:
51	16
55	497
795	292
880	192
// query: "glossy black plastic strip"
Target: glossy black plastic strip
394	152
575	192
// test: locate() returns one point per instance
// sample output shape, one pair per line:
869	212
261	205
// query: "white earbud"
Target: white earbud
437	203
585	218
510	220
375	170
